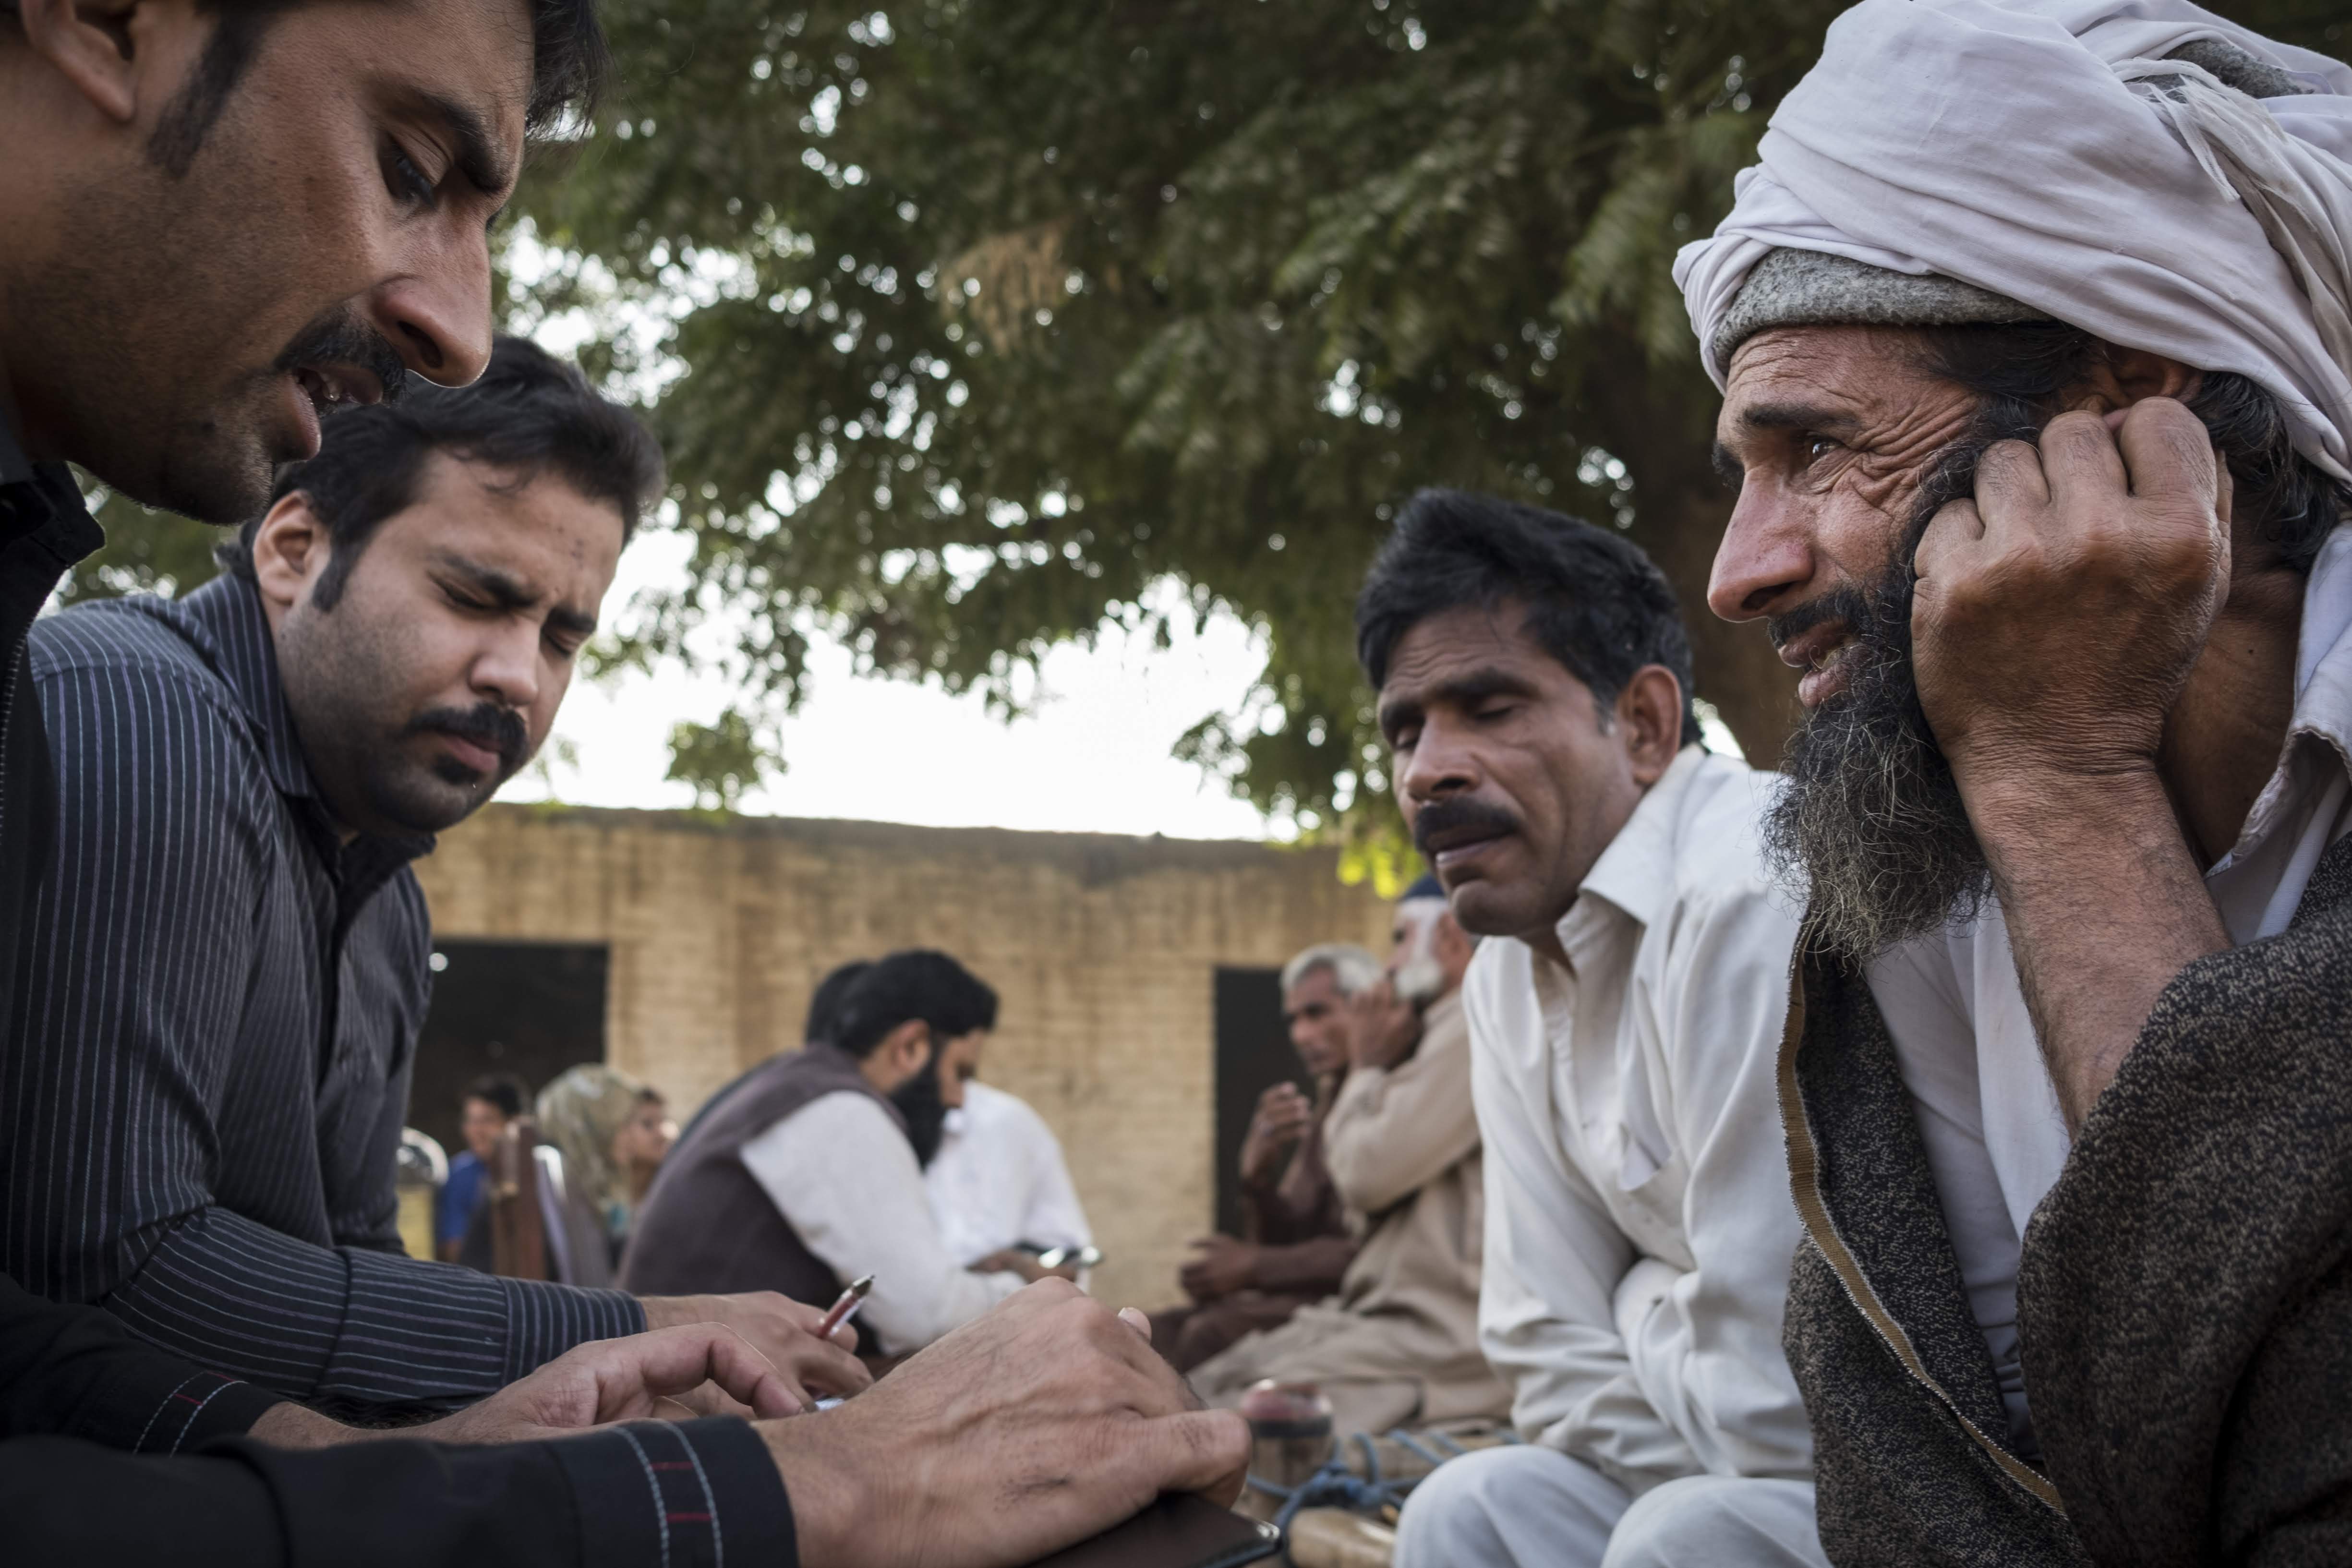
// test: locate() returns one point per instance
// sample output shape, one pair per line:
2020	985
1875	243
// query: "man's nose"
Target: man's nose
506	669
1764	558
437	313
1442	763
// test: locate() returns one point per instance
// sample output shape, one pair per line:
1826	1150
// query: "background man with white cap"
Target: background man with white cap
1398	1343
2035	326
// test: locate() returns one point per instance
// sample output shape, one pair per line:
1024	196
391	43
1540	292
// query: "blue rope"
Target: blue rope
1336	1485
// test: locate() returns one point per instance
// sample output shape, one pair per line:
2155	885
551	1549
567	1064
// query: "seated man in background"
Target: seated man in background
811	1174
390	641
823	1018
1625	1013
491	1103
999	1182
1298	1245
1398	1343
2042	467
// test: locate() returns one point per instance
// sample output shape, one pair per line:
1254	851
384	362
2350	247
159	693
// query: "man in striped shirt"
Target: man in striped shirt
204	1143
213	219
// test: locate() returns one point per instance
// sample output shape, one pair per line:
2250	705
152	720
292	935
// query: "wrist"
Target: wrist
2032	801
291	1426
825	1489
667	1312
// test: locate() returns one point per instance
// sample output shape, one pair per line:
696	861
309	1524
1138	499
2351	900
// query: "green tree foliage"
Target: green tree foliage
979	318
721	761
1000	313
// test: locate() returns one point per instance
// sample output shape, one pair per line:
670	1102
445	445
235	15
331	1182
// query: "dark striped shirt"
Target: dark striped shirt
226	999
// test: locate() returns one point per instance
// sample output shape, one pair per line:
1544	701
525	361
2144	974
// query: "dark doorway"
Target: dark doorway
1254	1053
530	1009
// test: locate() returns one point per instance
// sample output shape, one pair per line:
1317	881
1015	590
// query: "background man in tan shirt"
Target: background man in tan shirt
1399	1342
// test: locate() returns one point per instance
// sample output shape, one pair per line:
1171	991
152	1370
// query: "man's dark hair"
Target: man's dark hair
918	984
2024	370
530	413
502	1090
1594	602
825	1008
571	63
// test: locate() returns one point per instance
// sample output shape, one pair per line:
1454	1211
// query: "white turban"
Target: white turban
2017	146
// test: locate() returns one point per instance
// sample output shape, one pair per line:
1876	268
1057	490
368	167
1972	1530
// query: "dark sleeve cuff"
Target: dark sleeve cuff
544	1320
695	1492
148	1417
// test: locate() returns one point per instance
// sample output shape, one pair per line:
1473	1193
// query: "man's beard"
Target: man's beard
335	666
919	1101
1871	825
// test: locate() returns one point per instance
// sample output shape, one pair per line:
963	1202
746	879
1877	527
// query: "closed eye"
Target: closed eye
405	181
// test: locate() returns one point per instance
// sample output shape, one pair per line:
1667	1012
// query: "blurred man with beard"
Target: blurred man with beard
2049	516
811	1174
244	774
1624	1009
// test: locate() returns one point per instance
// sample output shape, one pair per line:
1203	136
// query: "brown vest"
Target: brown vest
708	1227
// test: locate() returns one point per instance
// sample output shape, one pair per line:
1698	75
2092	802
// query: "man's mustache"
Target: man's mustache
497	728
1459	816
342	337
1848	605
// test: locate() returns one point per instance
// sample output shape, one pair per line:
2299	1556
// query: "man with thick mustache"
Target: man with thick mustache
1534	683
2035	326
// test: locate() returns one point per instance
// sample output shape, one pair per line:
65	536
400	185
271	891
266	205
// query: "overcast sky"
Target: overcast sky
1094	758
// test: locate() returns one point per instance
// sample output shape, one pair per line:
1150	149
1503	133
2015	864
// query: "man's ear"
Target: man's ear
290	548
1649	718
908	1047
113	51
2124	377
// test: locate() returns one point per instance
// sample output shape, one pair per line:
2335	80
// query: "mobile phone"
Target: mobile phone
1181	1530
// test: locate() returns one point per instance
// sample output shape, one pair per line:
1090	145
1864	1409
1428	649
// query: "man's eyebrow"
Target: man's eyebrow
505	590
508	592
1762	416
566	619
478	156
1464	690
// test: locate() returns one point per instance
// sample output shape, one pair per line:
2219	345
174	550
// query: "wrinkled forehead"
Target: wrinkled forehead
1819	378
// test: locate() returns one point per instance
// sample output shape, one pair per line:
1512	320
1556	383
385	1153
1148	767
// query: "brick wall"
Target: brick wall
1103	950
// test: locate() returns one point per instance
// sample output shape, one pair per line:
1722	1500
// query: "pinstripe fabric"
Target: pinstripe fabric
226	999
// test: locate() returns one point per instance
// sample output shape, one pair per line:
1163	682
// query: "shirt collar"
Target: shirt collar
1635	875
228	620
2322	689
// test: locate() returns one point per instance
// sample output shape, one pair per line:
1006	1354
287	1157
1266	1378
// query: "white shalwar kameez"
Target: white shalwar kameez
1639	1228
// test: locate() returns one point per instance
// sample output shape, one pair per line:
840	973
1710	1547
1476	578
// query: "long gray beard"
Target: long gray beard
1871	826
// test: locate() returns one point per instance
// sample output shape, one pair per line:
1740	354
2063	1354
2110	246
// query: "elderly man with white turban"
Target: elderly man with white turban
2035	325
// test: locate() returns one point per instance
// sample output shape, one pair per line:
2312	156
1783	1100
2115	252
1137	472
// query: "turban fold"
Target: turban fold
2067	160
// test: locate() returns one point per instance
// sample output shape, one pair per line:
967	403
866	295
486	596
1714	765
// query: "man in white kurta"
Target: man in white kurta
1625	1012
999	1180
1638	1222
